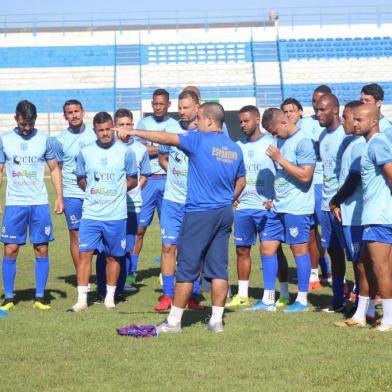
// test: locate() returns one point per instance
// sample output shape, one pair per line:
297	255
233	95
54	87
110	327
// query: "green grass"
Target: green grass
56	351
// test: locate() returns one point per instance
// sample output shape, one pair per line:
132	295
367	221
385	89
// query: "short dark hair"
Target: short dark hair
26	110
353	104
375	90
249	109
214	111
268	115
102	117
292	101
123	113
189	94
72	102
323	88
161	91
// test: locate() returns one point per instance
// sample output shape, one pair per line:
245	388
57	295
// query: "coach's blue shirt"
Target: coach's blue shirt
377	197
106	169
384	124
24	157
293	196
215	162
67	148
149	123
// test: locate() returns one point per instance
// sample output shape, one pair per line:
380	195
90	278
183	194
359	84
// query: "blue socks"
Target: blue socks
9	272
196	289
337	291
41	275
168	285
325	266
303	271
269	265
100	267
134	262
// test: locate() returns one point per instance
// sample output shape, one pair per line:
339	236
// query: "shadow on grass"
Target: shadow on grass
148	273
71	279
29	295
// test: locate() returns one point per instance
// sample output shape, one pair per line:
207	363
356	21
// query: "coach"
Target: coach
216	178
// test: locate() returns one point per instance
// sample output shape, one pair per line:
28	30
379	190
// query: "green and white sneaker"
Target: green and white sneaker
282	302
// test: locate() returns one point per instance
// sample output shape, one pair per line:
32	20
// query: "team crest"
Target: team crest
123	243
23	146
104	161
47	230
294	231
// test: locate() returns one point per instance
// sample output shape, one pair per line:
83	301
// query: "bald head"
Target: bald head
327	111
210	117
366	120
277	124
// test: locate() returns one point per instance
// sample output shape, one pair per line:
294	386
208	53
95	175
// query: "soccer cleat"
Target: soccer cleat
109	304
237	300
165	327
315	285
332	308
260	306
296	307
194	304
8	304
372	320
99	299
351	323
78	307
129	288
164	304
131	279
40	304
3	313
215	327
380	327
326	279
282	301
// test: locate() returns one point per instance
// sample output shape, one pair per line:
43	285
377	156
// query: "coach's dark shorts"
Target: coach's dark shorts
203	244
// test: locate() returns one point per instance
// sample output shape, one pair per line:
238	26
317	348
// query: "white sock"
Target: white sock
175	315
314	275
387	311
284	289
363	303
371	310
269	297
217	314
109	299
243	288
228	291
82	294
302	298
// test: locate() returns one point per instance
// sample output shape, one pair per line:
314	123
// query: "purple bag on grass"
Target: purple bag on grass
138	331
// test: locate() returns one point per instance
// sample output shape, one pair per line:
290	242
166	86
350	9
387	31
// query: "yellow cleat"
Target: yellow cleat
40	305
351	323
282	301
237	300
8	304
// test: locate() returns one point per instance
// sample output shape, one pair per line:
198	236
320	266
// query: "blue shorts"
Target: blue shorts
17	218
132	225
172	215
378	233
106	236
353	242
288	228
203	244
331	231
152	195
247	224
73	212
318	197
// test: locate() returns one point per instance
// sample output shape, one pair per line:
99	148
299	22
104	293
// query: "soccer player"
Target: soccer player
291	210
175	163
152	193
216	178
374	94
23	151
105	170
331	148
376	175
251	215
67	147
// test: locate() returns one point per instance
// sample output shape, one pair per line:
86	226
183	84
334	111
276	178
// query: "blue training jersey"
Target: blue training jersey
351	163
312	128
377	196
384	124
293	196
106	169
215	162
24	157
177	170
67	146
331	148
134	196
260	173
149	123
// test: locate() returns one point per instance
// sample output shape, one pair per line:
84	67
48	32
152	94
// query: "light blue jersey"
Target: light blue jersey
177	170
377	196
260	173
134	196
24	157
384	124
388	133
67	149
292	196
149	123
331	150
105	170
351	163
313	129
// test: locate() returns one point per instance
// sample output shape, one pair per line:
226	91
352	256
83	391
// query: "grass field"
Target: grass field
58	351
